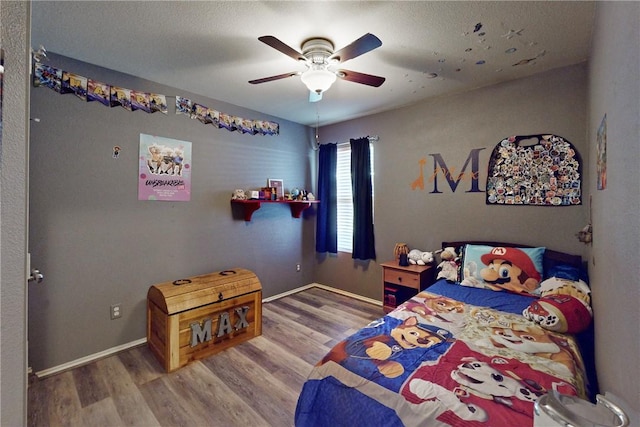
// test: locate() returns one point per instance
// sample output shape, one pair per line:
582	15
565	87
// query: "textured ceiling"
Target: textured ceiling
212	48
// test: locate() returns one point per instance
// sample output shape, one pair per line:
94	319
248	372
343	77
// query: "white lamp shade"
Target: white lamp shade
318	80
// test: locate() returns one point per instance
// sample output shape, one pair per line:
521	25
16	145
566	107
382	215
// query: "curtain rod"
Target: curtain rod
373	138
316	146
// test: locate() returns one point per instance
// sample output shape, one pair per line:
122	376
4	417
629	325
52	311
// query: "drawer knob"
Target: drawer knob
220	297
399	279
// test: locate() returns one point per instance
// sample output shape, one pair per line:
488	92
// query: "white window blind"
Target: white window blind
344	197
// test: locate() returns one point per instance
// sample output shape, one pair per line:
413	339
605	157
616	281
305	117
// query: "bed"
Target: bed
477	348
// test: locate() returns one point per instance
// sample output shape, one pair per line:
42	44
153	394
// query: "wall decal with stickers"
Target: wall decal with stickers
547	172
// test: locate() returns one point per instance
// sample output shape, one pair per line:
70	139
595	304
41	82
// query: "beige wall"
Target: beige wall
552	102
614	90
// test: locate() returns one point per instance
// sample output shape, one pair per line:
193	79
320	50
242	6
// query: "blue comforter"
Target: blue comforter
451	355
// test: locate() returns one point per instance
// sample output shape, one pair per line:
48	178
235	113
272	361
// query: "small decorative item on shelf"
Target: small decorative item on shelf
238	194
277	188
265	193
404	260
400	248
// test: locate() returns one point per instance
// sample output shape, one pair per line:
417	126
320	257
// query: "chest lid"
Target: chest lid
185	294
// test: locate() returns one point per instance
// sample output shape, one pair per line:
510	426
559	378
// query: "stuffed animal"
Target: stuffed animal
418	257
448	267
427	257
559	313
448	253
238	194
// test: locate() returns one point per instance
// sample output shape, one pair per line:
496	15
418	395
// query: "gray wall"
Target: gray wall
555	102
97	244
552	102
570	102
614	88
14	39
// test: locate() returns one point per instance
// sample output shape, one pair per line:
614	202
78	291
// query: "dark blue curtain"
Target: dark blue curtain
363	241
327	220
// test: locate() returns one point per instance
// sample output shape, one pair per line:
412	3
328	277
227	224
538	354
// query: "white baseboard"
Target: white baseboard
346	293
326	288
90	358
291	292
108	352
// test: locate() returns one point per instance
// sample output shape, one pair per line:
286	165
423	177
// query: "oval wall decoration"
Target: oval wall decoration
540	170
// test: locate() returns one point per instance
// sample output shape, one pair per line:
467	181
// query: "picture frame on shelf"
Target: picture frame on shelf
279	186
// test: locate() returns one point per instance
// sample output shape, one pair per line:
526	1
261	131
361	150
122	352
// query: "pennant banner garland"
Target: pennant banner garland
73	83
97	91
222	120
47	76
112	96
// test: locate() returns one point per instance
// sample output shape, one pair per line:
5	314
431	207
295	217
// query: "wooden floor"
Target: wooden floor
255	383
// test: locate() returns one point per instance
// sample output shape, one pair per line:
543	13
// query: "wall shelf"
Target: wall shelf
250	206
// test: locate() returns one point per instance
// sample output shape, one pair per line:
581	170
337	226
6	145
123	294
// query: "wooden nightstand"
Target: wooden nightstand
401	283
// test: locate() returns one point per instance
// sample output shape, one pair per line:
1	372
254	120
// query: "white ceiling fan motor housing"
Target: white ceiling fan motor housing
317	50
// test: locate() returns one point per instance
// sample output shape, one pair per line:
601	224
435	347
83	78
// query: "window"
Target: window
344	196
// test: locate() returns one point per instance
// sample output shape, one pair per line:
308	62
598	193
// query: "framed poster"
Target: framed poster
164	169
278	185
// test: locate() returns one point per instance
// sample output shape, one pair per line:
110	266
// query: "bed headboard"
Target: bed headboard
550	256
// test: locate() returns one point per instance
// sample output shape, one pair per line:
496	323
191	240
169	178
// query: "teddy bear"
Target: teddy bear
418	257
448	267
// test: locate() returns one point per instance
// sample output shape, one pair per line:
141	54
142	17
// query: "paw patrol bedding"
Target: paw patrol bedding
450	356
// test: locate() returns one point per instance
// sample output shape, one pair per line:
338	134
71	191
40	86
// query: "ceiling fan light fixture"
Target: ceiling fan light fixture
318	79
321	61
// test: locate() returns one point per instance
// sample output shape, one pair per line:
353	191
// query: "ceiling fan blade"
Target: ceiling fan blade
282	47
364	44
314	96
272	78
362	78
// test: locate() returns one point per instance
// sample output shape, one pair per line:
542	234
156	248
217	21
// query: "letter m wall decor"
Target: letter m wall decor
449	174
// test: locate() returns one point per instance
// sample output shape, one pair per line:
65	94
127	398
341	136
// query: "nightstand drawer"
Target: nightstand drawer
403	278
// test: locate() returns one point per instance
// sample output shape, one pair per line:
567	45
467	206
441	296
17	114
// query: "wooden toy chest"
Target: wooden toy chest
192	318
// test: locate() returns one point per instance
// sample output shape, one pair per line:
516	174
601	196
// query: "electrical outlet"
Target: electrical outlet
116	311
298	268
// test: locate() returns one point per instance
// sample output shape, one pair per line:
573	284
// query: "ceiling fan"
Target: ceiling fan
322	62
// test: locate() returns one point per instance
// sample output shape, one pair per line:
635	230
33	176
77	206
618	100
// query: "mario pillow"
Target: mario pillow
500	268
559	313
